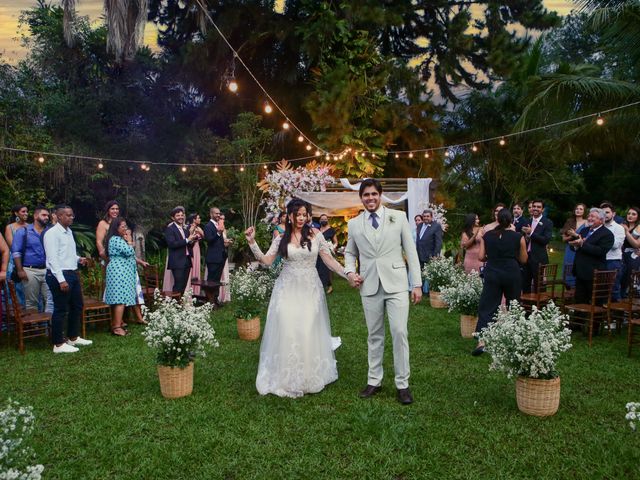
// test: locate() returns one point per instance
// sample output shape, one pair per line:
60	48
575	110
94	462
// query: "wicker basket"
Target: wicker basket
249	329
537	396
176	382
468	325
435	298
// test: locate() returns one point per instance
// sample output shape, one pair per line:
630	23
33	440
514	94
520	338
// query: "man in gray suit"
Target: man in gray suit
380	239
428	238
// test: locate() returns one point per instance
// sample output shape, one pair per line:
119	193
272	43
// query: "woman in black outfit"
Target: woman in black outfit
330	236
502	249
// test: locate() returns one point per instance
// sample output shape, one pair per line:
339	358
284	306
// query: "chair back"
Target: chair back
547	274
151	277
603	281
634	286
15	305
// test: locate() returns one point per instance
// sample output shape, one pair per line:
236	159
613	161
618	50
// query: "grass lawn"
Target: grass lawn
100	414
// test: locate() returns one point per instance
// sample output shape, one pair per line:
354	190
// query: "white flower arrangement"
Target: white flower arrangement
527	346
463	296
16	423
633	414
441	272
250	289
283	184
178	331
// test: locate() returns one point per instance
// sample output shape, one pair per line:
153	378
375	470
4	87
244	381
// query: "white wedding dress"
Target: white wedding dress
296	354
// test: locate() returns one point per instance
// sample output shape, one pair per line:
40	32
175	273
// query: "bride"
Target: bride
296	354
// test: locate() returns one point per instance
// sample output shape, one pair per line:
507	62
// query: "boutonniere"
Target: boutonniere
392	219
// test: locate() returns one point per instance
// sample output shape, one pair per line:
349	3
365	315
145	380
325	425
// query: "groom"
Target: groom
378	238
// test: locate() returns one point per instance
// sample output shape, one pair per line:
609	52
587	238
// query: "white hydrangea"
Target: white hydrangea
527	346
633	414
179	331
16	423
250	289
463	295
441	272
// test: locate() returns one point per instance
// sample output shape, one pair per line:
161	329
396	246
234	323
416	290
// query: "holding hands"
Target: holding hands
355	280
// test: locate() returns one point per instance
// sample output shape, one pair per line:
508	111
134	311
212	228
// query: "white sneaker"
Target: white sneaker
79	342
64	348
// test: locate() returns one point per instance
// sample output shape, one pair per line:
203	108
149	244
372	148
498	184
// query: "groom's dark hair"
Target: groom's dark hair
370	182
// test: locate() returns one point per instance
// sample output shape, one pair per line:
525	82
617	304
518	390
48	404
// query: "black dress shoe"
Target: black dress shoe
370	391
404	396
478	351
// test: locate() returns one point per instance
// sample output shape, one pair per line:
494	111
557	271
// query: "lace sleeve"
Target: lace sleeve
270	256
326	254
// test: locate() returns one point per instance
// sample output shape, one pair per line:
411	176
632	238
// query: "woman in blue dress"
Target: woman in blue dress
571	228
120	286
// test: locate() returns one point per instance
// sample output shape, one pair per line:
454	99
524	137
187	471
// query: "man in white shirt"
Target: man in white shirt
614	255
64	283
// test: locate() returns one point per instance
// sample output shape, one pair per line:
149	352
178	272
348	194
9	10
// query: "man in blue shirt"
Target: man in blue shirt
28	255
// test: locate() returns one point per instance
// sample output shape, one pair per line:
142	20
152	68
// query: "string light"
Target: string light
318	153
184	169
100	166
147	168
446	153
233	86
268	108
474	148
40	159
426	154
410	154
308	147
327	157
215	169
143	166
600	120
264	166
397	155
285	126
300	138
242	168
502	142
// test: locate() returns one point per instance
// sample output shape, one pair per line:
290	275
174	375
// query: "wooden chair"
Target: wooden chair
627	309
545	290
28	324
567	293
152	283
579	313
94	310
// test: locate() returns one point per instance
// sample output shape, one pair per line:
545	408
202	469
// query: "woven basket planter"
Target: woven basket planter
468	325
176	382
249	329
435	298
537	396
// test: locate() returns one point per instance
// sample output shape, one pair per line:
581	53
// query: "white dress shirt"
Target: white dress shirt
615	253
60	248
379	212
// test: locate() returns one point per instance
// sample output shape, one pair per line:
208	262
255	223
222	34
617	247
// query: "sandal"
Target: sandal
119	332
141	322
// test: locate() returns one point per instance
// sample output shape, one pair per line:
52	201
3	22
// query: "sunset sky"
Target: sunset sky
12	51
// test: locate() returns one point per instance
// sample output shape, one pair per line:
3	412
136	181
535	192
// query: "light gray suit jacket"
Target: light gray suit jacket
383	262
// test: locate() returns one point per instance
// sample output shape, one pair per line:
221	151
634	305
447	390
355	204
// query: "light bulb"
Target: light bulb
502	142
100	165
308	147
318	153
264	166
233	86
600	121
41	159
426	154
268	108
410	154
215	169
446	153
285	126
143	166
300	138
184	169
397	155
242	169
327	157
474	148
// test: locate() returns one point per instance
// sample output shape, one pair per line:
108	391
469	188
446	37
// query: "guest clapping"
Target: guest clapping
538	235
630	248
120	288
179	241
502	248
569	232
470	243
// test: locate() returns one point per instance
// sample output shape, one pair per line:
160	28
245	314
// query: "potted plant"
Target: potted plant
250	289
178	331
464	297
528	348
440	272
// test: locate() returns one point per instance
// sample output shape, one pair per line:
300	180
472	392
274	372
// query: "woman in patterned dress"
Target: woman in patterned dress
120	288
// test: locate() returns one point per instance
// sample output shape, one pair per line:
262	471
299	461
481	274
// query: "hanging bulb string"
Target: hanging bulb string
264	90
522	132
104	160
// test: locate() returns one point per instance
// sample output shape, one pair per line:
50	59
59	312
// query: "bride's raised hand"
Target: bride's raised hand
250	234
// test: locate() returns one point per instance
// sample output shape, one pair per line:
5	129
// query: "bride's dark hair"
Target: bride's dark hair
293	206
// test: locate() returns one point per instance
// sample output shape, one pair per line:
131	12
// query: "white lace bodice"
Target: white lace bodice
301	257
